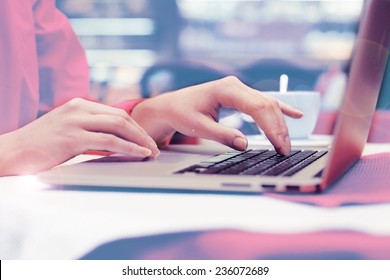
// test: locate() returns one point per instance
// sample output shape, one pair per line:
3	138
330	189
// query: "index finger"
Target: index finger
265	110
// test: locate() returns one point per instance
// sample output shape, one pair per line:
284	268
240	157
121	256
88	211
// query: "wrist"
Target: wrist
153	114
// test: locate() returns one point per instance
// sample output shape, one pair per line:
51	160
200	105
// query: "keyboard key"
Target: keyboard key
290	162
304	163
255	162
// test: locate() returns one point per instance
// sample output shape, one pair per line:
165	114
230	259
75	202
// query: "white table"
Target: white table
37	222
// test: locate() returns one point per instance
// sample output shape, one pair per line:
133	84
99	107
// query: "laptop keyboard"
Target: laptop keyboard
256	162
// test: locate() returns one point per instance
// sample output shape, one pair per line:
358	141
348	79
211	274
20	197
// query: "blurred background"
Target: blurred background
142	48
145	47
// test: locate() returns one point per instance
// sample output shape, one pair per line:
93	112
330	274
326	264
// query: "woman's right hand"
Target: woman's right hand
69	130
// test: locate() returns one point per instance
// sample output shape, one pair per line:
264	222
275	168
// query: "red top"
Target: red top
42	63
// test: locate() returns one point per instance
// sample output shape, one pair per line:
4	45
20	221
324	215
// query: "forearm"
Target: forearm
6	165
17	158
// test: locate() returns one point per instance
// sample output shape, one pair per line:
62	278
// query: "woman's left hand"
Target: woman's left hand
193	111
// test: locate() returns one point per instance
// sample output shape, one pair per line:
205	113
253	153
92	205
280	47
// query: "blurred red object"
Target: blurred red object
380	127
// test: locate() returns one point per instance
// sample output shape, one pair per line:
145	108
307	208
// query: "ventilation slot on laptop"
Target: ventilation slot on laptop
230	185
292	188
268	186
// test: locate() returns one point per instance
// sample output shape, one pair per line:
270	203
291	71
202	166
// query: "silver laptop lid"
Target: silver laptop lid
365	77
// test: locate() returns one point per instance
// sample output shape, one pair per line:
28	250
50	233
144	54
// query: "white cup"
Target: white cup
309	102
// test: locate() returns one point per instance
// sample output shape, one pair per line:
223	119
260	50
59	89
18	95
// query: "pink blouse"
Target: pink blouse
42	64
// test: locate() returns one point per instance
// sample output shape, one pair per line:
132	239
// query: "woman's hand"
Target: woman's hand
69	130
193	111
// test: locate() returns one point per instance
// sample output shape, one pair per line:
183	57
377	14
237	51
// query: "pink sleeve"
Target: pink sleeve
63	68
128	105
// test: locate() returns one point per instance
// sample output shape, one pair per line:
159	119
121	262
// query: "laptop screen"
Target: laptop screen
365	78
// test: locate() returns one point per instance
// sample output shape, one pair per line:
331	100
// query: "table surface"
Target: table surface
39	222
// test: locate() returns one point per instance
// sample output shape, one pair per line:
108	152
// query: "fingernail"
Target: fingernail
240	143
156	153
154	147
152	142
145	152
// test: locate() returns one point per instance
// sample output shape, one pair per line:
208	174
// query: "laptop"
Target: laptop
259	169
